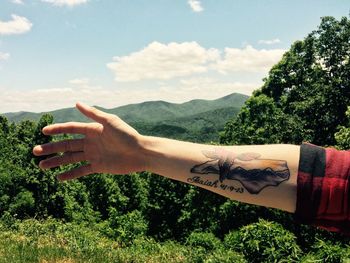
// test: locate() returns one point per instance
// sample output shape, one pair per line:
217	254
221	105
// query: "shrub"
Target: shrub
325	251
23	204
129	226
267	242
207	241
232	241
8	222
202	244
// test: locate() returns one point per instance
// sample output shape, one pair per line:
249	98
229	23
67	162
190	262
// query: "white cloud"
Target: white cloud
4	56
174	72
160	61
69	3
195	5
163	61
248	59
182	90
53	98
18	2
80	81
18	25
211	88
270	41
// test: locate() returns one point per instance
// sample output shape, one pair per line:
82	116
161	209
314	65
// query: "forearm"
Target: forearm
315	188
262	174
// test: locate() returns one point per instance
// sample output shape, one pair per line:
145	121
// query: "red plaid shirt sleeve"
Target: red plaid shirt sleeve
323	197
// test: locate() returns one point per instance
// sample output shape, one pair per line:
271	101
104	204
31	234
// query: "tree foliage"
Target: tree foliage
343	135
305	95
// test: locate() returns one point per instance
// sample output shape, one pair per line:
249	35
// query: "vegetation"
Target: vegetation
196	120
143	217
306	94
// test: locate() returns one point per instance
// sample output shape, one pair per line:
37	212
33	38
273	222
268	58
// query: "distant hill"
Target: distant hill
161	110
195	120
201	127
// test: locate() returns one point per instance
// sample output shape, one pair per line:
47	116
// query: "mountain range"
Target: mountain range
196	120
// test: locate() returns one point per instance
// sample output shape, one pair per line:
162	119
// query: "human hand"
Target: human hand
109	146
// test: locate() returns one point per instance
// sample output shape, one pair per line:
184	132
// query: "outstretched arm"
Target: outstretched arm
262	174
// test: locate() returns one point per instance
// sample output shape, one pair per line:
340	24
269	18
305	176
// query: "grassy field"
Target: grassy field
52	241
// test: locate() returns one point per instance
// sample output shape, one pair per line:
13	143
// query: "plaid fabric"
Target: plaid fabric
323	197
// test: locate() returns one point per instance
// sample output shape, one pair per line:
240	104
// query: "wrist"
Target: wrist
166	156
147	151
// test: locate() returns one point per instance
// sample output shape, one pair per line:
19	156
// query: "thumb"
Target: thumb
92	113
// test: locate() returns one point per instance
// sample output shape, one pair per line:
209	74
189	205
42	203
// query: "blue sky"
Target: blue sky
114	52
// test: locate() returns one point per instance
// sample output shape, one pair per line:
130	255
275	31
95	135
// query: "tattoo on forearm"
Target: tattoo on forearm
215	184
253	173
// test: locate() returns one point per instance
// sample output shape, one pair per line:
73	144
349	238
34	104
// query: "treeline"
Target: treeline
304	98
138	211
147	203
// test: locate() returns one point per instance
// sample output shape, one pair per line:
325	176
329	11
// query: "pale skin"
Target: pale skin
109	145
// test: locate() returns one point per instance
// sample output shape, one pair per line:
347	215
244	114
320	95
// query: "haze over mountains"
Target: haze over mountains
195	120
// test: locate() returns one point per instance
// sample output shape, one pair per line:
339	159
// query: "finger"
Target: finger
67	158
68	127
93	113
75	145
76	173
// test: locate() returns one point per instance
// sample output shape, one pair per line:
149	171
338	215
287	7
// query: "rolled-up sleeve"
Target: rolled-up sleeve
323	196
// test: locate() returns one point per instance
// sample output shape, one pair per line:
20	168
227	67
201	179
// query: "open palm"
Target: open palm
109	146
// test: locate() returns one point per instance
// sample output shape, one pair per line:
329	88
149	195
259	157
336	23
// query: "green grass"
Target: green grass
49	248
53	241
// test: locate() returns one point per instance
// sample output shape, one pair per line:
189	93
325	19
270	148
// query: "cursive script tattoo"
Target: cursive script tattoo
253	173
214	184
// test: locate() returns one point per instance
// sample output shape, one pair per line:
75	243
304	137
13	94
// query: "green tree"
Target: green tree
307	92
165	201
258	122
105	194
343	135
200	211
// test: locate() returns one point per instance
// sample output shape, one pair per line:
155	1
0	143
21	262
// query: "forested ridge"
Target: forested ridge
195	120
143	217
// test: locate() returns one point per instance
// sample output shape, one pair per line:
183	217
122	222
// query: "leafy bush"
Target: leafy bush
166	198
200	211
325	251
202	244
22	204
268	242
207	241
232	241
8	221
129	226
